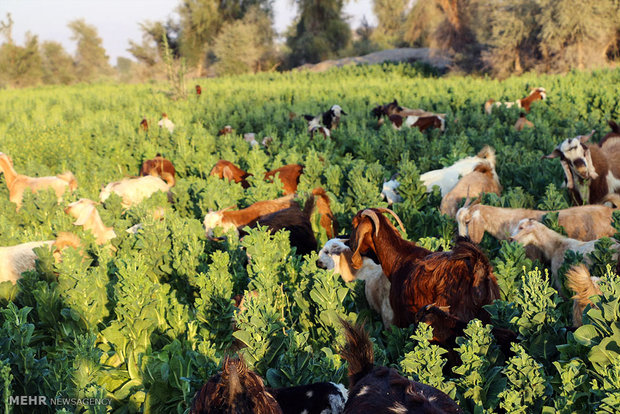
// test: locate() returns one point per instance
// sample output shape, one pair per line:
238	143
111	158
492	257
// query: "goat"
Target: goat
165	122
15	260
584	223
135	189
237	219
578	280
267	141
144	125
336	256
288	175
250	138
226	130
525	103
331	117
18	183
235	390
86	215
522	122
198	90
393	108
317	398
553	245
159	167
447	178
378	389
420	122
483	179
315	127
592	171
388	192
462	278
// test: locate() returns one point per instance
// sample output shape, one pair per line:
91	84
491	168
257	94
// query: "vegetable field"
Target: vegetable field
144	324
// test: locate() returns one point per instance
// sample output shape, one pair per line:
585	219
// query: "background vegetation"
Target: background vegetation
148	324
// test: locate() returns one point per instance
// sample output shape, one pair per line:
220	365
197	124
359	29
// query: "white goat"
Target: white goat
336	256
165	122
389	192
447	178
553	245
134	190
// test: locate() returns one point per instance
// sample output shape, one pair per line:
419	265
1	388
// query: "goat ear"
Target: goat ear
362	241
568	173
345	266
585	138
591	171
227	173
475	228
555	154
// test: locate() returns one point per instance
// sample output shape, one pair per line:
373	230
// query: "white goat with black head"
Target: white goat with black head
592	170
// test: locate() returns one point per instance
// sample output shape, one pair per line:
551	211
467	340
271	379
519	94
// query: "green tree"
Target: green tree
391	16
422	22
57	64
237	49
90	58
21	65
320	32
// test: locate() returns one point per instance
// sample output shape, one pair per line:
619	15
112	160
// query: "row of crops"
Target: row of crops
145	324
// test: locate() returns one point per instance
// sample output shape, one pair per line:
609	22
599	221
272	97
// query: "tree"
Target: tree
90	58
57	64
320	33
576	33
201	20
21	66
237	49
392	17
422	22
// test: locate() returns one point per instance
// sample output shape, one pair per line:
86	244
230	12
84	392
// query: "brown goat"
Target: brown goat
525	103
228	170
483	179
377	389
159	167
327	220
235	390
144	125
461	279
578	279
288	175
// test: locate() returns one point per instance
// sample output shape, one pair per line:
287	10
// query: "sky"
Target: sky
118	21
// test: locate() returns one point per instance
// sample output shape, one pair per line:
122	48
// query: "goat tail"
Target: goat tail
614	126
69	178
309	206
488	106
579	281
613	199
357	352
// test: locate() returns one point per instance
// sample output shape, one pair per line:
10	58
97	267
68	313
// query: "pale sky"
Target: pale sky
117	21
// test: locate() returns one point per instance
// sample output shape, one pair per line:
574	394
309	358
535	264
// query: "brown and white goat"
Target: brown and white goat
578	280
165	122
553	245
288	175
483	179
420	122
379	389
525	103
584	223
15	260
135	189
522	122
18	183
592	171
336	256
393	108
461	278
159	167
86	215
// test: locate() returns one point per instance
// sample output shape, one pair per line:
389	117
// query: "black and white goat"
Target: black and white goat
325	122
592	170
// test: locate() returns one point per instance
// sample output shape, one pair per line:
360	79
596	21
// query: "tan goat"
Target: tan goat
18	183
86	215
483	179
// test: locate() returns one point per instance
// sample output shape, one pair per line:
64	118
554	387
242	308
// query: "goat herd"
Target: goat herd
404	282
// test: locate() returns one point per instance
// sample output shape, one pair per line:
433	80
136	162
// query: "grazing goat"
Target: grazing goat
553	245
584	223
135	189
144	125
159	167
315	127
389	192
85	213
592	171
235	390
578	280
225	131
336	256
237	219
288	175
378	389
250	138
18	183
15	260
317	398
165	122
462	278
525	103
522	122
393	108
198	90
420	122
267	141
447	177
483	179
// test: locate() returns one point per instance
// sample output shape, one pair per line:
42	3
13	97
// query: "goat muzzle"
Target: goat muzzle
320	264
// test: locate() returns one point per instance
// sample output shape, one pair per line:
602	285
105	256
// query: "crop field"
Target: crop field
143	324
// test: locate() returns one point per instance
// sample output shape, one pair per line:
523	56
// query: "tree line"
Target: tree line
222	37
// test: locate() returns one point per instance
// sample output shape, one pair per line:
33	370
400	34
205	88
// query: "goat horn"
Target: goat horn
387	210
373	216
467	199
